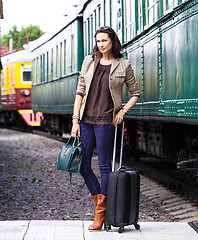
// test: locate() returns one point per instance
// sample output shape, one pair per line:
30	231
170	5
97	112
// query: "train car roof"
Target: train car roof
73	15
22	55
82	5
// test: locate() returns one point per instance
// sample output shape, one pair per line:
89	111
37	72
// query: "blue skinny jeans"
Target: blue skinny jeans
102	137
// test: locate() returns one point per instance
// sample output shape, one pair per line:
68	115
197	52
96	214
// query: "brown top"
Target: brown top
99	106
121	73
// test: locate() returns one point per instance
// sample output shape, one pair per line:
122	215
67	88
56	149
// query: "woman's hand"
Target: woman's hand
75	128
118	118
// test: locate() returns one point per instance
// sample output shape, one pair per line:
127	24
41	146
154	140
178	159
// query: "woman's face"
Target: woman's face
104	43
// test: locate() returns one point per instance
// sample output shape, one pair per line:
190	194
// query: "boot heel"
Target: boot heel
105	226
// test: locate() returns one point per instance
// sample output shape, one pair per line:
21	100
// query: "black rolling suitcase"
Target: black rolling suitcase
123	190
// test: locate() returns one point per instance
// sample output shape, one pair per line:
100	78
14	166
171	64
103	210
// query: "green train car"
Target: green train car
56	61
164	57
159	38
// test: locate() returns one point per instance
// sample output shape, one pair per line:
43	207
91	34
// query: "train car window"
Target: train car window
110	15
119	15
129	23
99	16
140	16
95	21
6	78
85	38
13	76
34	71
72	53
61	60
37	70
88	26
168	5
137	22
144	13
151	11
47	73
91	33
41	69
2	80
104	12
57	62
52	64
161	8
44	68
123	21
65	57
26	74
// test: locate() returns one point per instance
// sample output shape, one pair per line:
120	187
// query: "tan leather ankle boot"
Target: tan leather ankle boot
99	213
95	199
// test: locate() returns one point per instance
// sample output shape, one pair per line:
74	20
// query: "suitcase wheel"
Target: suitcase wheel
137	226
108	227
121	229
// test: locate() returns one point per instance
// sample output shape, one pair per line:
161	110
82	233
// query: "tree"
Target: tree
19	38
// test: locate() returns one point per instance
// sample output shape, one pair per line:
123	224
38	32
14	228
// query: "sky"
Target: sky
46	14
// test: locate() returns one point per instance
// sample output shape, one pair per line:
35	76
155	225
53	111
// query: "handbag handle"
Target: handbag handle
73	141
76	141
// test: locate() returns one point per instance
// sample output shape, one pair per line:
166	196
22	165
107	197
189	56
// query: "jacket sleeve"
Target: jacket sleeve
81	87
131	82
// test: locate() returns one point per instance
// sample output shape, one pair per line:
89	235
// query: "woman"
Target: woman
98	106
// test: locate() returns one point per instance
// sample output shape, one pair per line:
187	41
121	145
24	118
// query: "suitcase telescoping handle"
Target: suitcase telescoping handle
121	147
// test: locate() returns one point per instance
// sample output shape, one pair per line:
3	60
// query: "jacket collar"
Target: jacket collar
114	64
97	58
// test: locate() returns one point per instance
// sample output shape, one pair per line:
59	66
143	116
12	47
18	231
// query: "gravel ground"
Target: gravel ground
32	187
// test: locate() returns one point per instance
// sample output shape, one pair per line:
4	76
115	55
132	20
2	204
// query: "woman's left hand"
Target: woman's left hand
118	118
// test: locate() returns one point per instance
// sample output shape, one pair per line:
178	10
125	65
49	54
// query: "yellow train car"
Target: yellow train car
16	87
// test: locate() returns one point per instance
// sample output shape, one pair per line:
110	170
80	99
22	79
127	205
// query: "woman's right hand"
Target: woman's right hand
75	128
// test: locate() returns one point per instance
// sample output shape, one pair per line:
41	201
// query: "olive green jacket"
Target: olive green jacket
121	72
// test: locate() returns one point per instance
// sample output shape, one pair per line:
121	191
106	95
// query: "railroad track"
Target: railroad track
181	209
172	183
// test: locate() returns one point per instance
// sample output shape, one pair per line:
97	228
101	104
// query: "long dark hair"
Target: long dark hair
116	45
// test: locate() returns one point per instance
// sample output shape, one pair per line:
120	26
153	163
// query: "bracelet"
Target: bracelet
124	110
76	117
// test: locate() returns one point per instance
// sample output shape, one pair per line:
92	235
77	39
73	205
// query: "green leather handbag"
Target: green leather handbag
70	156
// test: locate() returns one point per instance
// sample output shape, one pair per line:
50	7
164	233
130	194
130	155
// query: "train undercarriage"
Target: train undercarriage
165	142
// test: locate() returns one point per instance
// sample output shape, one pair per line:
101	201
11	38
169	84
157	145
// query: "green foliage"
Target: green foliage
20	37
34	180
12	178
23	165
7	151
9	185
22	156
33	197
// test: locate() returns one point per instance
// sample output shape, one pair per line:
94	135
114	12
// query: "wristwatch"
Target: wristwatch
124	110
